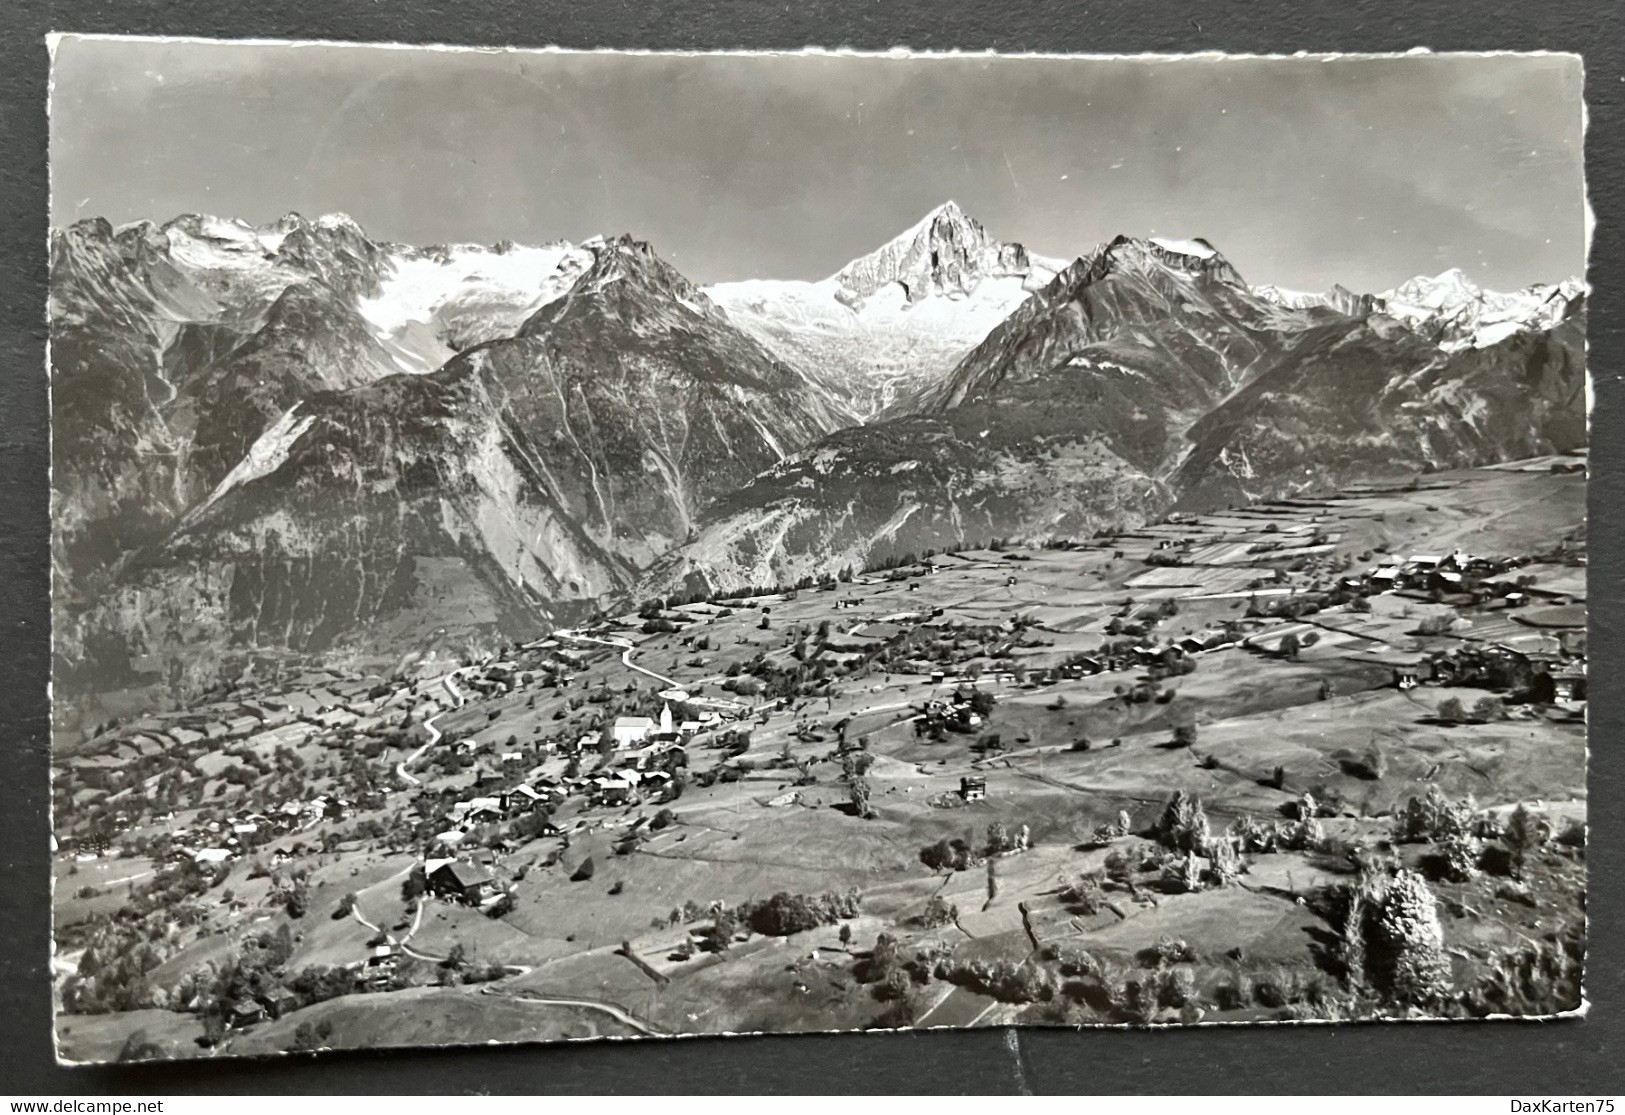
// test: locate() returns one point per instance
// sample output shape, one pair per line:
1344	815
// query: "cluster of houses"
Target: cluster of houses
645	748
954	714
221	841
1458	576
1537	677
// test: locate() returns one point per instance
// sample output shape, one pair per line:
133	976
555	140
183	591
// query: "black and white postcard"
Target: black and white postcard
555	545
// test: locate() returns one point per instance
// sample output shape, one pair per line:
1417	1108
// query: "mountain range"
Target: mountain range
294	440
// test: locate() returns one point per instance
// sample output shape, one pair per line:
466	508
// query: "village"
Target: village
935	792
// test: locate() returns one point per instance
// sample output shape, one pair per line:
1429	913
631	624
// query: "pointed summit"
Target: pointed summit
945	252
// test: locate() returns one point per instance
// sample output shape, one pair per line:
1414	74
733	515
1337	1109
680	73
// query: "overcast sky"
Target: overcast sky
1304	172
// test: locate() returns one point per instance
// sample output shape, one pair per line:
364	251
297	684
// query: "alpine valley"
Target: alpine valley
292	442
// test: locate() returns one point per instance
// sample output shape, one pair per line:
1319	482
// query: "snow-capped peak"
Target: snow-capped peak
945	252
432	303
1198	248
1458	313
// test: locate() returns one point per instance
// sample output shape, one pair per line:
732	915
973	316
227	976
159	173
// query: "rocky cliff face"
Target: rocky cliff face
293	440
172	348
1145	376
643	402
319	504
1361	399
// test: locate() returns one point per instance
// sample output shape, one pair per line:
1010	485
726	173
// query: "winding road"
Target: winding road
435	736
610	1009
626	648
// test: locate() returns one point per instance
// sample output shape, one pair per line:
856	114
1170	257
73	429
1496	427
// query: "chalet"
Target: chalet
1384	577
612	791
483	810
279	1001
1446	580
973	788
246	1012
629	730
1407	677
1202	640
205	857
1569	684
462	882
525	799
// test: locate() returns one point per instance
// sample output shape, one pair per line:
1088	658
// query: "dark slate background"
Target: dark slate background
1519	1059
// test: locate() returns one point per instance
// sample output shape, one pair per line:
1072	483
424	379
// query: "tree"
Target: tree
858	786
1183	824
1523	834
1451	710
1290	645
1405	945
1185	735
309	1037
298	899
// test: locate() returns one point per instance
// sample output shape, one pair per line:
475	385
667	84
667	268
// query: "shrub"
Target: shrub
1434	817
938	912
1451	710
1085	894
786	913
1459	853
1172	950
309	1037
949	855
1181	873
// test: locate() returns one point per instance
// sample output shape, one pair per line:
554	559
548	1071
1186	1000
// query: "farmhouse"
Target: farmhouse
1569	684
279	1001
973	788
461	882
246	1012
